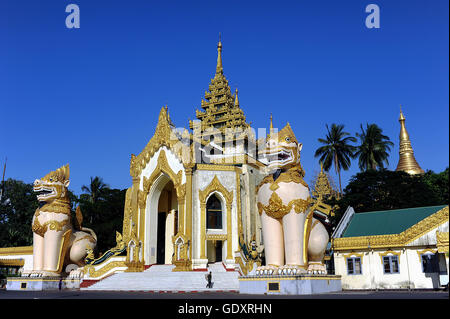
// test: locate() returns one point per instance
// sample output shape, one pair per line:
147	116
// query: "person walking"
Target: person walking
209	278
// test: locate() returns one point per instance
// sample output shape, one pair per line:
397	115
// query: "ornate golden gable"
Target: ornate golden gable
164	136
162	167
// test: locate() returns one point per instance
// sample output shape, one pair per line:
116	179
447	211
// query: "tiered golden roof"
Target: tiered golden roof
407	161
220	107
322	187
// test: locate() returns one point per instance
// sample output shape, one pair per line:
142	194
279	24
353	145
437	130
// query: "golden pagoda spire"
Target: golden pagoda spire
221	109
407	161
271	124
219	67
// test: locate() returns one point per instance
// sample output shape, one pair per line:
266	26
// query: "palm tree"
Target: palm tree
374	149
336	150
95	190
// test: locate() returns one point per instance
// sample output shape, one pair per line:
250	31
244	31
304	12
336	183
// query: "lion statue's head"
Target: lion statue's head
53	185
282	150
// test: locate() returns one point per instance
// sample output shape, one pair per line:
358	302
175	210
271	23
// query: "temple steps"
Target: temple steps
160	278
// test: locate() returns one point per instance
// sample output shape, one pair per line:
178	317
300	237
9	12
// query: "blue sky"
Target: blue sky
91	96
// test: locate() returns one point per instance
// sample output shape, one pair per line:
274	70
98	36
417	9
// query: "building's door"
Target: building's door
219	246
161	241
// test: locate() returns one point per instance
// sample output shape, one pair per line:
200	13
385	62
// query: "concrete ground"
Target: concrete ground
400	294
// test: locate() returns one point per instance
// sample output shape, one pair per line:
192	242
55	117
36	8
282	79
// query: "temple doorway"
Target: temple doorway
167	224
214	250
161	241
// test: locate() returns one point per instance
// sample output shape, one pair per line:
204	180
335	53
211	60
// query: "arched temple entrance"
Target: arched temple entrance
162	222
167	224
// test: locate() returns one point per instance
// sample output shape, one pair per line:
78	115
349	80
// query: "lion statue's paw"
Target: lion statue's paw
291	270
49	274
317	268
35	274
267	270
75	272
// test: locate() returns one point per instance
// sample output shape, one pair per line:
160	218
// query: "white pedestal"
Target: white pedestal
289	285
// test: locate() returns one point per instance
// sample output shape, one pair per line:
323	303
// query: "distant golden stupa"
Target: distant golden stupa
406	163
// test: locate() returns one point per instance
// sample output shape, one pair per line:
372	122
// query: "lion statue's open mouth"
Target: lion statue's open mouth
44	193
279	157
282	150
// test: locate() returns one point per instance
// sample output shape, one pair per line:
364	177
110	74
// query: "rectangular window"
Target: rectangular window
390	264
354	266
214	220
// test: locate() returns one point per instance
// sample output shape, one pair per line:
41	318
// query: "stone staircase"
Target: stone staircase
161	278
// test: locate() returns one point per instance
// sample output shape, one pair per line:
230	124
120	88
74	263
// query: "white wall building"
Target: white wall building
395	249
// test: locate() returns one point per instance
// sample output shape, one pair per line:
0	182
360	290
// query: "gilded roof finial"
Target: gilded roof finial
402	117
236	99
407	161
219	68
271	124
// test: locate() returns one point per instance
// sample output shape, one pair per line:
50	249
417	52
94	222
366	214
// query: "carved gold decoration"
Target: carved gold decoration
442	242
423	252
63	249
12	262
181	249
210	167
394	240
115	251
216	237
246	266
127	216
322	190
135	266
293	175
389	253
103	270
277	210
164	136
162	167
22	250
214	186
360	255
57	206
55	225
238	198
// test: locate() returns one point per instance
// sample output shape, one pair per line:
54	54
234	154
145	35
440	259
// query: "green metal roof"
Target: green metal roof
387	222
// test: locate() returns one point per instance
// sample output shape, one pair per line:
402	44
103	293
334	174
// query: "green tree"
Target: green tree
17	208
336	150
438	182
374	148
95	189
95	193
107	216
375	190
